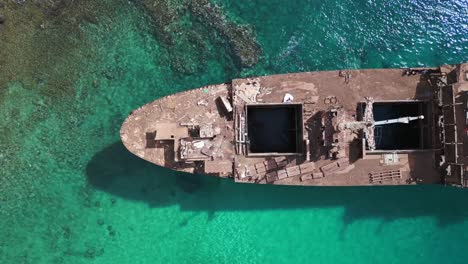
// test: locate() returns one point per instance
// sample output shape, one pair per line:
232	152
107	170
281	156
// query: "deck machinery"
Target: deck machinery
331	128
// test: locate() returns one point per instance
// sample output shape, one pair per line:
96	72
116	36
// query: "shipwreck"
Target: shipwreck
329	128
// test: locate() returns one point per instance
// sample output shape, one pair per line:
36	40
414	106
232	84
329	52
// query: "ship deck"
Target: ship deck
214	130
318	92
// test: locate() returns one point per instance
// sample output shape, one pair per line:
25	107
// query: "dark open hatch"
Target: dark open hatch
274	129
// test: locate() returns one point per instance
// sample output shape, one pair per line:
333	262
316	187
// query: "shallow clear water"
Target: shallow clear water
71	193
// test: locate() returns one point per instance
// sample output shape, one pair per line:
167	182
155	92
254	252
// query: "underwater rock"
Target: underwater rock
19	2
239	37
92	253
111	231
2	19
188	44
66	232
95	83
183	223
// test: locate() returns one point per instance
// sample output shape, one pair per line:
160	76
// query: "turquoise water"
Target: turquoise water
70	192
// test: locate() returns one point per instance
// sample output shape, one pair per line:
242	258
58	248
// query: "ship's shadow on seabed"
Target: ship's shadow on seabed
118	172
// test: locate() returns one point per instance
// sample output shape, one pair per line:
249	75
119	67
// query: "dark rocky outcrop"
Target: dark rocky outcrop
239	37
186	28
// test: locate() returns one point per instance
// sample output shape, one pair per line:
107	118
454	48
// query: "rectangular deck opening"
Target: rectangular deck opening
414	135
274	129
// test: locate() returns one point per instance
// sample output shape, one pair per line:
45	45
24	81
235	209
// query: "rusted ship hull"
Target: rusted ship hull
330	128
